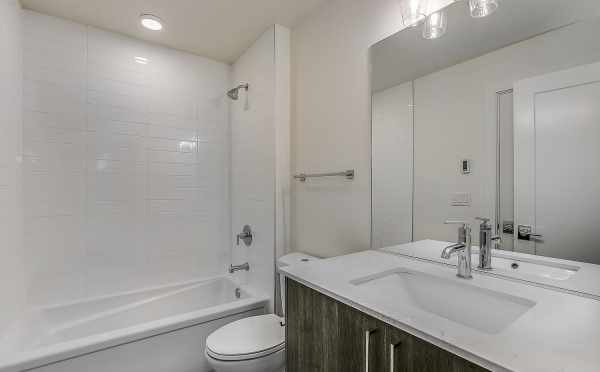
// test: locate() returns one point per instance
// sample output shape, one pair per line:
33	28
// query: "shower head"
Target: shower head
234	94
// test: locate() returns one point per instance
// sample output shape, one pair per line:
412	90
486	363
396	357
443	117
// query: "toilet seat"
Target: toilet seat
249	338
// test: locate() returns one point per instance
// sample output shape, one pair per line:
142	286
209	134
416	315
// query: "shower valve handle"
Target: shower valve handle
246	235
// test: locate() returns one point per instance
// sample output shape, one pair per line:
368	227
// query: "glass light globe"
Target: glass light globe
482	8
435	25
413	11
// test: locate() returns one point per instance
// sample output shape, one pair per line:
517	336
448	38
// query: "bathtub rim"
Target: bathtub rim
36	358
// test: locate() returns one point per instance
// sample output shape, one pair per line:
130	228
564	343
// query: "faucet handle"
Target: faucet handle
246	235
463	231
484	222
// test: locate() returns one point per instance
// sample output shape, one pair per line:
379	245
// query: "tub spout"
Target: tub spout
234	268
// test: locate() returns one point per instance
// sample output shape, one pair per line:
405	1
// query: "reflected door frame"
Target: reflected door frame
525	93
490	185
500	217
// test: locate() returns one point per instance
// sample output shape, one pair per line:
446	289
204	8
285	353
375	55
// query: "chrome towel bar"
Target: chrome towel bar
302	177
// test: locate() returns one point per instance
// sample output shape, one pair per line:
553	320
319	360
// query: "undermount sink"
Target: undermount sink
482	309
531	268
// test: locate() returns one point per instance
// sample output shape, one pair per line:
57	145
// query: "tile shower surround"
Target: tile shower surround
125	166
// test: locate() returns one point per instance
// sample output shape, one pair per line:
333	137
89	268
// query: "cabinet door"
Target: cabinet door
406	353
398	346
462	365
324	335
361	341
312	333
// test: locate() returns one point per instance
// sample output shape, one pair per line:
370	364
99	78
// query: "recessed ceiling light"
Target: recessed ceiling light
141	60
151	22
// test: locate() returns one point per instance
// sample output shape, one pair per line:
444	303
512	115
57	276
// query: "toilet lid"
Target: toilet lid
247	338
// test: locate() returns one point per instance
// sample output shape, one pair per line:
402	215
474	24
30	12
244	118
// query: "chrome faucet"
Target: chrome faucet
462	249
234	268
485	244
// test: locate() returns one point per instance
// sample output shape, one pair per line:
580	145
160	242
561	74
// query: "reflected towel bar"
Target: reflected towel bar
349	175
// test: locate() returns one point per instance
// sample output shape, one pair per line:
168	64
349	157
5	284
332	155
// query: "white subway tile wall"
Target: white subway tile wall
126	163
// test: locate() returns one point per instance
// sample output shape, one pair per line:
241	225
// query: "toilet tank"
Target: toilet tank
290	260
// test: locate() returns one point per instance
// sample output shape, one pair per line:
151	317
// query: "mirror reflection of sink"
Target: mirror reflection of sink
532	268
482	309
526	268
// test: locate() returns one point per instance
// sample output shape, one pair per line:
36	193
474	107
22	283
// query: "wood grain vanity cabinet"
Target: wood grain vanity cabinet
324	335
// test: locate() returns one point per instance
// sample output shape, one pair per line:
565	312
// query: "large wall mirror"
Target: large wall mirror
499	117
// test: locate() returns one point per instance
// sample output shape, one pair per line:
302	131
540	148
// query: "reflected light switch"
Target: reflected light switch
460	199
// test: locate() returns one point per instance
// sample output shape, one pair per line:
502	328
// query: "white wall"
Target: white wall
282	151
126	164
11	278
455	118
392	141
282	139
331	121
260	137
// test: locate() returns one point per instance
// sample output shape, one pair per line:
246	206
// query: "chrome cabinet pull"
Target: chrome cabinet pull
392	354
368	334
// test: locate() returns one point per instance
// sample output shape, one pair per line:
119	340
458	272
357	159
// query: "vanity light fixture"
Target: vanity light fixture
435	25
151	22
482	8
413	12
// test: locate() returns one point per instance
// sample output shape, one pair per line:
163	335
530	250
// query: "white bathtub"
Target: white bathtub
158	330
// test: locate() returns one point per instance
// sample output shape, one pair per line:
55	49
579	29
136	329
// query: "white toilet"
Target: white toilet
255	344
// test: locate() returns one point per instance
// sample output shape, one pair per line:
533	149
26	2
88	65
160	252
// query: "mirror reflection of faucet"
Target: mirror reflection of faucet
486	240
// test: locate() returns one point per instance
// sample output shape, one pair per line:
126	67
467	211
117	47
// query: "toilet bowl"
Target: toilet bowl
248	345
255	344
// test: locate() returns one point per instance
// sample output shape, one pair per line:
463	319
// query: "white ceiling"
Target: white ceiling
218	29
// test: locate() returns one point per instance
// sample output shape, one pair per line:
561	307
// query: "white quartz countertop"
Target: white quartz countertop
585	281
560	333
